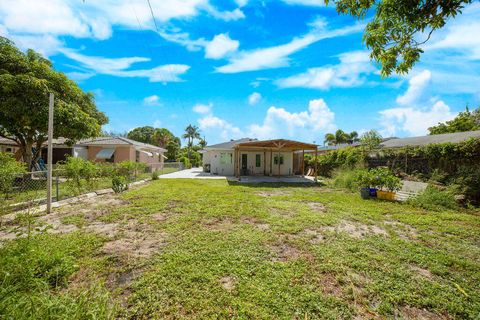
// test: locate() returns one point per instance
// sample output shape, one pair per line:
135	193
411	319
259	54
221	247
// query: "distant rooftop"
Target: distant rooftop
115	141
432	139
229	144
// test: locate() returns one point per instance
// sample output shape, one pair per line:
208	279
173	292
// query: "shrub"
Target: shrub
434	199
348	157
130	169
119	184
76	170
347	178
186	162
155	175
9	169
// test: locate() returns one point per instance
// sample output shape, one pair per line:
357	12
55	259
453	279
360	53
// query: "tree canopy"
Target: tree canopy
399	27
160	137
371	139
340	137
464	121
26	79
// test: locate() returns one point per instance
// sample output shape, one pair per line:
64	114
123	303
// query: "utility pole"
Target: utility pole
50	154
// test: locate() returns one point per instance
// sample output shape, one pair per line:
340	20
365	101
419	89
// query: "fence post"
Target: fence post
49	154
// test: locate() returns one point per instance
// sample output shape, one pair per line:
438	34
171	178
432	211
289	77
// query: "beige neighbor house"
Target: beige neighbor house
247	156
103	149
118	149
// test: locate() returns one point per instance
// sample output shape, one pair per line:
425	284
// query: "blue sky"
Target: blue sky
265	69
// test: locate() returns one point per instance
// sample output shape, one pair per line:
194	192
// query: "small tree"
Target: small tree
371	139
9	169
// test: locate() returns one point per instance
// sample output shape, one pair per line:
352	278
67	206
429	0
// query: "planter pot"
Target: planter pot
373	192
365	193
386	195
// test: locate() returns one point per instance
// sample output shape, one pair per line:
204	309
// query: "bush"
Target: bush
186	162
347	178
76	170
155	175
348	157
377	178
9	169
119	184
434	199
130	169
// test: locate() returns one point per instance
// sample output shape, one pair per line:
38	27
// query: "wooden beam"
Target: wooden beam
303	163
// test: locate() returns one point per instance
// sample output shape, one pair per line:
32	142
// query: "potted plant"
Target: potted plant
364	180
389	182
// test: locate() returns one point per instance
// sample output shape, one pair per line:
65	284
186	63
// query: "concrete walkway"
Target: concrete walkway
194	173
197	173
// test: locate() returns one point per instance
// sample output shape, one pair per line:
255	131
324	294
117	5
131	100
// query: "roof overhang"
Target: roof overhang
277	144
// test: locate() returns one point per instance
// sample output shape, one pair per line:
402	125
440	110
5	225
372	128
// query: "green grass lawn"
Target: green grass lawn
209	249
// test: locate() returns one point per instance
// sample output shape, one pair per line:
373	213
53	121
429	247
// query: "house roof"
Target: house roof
274	144
229	144
118	141
278	144
432	139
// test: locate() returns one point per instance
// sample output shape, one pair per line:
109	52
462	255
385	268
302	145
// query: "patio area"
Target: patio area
197	173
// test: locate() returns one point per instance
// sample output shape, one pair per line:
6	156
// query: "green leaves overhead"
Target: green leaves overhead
399	27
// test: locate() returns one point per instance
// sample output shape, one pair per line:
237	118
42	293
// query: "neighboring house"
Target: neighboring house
118	149
431	139
103	149
255	157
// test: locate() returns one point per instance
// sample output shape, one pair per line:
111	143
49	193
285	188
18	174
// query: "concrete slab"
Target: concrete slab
197	173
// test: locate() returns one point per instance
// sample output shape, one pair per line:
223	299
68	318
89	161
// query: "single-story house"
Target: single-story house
103	149
247	156
455	137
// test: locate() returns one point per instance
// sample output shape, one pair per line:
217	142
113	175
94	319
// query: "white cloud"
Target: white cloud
254	98
220	46
219	127
241	3
416	87
157	123
202	108
460	34
413	121
96	19
278	56
80	76
151	100
314	3
351	71
307	124
416	112
120	67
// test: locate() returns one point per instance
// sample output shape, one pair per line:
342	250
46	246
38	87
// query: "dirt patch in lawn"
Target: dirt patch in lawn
273	193
404	231
356	230
330	285
316	206
256	223
218	224
227	283
409	312
285	252
314	236
421	271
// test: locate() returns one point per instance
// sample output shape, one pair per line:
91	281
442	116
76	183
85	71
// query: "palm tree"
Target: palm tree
330	139
191	133
202	143
162	137
353	137
341	137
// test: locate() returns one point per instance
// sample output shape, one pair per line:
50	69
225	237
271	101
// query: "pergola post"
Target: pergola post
316	166
271	161
303	163
264	162
278	160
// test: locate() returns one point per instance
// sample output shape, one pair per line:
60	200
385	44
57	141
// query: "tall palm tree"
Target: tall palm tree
162	137
353	137
191	133
330	139
202	143
341	137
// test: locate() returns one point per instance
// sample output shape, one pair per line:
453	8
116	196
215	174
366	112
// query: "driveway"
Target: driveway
197	173
194	173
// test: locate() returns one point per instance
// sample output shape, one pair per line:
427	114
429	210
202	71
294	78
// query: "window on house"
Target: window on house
258	159
226	158
275	159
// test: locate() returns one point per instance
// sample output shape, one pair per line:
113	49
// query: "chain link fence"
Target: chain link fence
28	189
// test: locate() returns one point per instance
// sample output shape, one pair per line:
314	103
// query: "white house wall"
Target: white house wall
216	167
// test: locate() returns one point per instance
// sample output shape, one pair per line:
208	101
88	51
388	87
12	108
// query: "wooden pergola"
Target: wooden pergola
272	146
